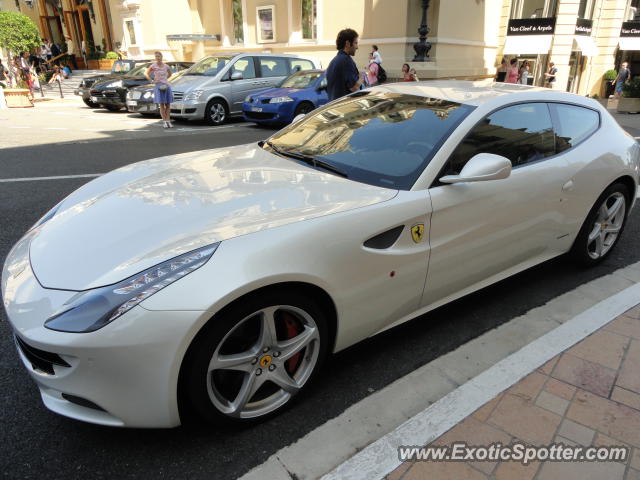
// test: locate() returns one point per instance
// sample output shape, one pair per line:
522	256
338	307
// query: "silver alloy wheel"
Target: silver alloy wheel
217	113
265	361
607	225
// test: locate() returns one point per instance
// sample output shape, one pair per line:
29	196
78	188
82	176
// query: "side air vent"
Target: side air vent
385	239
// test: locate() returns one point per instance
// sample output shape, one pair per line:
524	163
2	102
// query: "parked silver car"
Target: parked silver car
215	88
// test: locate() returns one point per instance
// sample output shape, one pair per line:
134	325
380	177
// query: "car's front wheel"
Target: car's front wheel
250	362
603	226
216	112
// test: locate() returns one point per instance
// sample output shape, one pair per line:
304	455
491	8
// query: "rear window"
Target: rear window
379	138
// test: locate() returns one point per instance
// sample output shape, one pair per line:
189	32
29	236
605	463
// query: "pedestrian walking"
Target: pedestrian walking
501	71
624	75
342	74
376	55
512	71
524	73
372	71
162	94
550	75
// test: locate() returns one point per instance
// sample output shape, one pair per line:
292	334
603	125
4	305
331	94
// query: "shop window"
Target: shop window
585	9
238	28
309	19
533	8
521	133
633	10
131	31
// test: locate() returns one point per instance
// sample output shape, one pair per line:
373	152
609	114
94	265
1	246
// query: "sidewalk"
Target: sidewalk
589	395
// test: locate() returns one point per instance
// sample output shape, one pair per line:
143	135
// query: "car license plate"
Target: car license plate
94	99
132	103
256	109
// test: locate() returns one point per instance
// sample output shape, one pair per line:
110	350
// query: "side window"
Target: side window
298	64
245	66
273	66
573	124
521	133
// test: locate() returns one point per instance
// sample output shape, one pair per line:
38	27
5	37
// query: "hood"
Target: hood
187	82
276	92
138	216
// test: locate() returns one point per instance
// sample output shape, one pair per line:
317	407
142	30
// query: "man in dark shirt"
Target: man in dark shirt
342	73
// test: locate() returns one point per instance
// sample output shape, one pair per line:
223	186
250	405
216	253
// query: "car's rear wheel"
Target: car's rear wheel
251	361
603	226
216	112
90	104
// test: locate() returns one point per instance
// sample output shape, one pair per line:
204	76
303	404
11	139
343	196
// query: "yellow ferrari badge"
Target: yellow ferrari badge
417	232
265	360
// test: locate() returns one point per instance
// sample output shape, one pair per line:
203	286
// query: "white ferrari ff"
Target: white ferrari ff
216	282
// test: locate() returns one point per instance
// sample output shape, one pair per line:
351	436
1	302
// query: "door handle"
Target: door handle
567	187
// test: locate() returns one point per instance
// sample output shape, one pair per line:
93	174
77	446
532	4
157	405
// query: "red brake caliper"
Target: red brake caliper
292	331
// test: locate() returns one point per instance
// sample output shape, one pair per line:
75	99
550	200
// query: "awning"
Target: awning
629	43
587	45
523	44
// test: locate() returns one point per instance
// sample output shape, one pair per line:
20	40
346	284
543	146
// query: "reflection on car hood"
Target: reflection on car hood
143	214
277	92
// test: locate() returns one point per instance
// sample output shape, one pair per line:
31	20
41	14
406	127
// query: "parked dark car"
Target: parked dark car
111	93
140	99
297	94
118	69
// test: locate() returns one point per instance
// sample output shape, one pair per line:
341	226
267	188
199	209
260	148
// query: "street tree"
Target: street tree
17	32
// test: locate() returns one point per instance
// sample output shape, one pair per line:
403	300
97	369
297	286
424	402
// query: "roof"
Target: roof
460	91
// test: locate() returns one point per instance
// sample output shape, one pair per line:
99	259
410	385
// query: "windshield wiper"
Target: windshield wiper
308	159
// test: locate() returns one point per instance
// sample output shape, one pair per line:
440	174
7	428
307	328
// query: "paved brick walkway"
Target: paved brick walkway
588	395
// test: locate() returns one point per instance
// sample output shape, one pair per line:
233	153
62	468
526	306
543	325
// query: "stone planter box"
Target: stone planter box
93	64
626	104
105	64
18	97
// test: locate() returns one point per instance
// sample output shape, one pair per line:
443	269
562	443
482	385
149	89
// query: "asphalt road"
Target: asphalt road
35	442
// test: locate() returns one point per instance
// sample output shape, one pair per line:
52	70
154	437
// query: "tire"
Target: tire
303	109
216	112
113	108
90	104
272	378
603	226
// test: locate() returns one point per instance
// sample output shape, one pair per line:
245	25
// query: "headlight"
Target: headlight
93	309
248	98
193	96
281	99
116	84
147	95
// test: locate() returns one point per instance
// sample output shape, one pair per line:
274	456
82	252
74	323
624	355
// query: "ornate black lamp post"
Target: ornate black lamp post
422	47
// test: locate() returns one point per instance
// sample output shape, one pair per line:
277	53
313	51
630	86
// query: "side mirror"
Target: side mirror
322	86
482	167
237	76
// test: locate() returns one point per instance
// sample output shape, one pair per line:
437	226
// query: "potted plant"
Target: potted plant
630	100
107	62
18	34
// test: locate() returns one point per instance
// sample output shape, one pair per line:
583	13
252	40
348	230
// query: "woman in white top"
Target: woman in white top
524	73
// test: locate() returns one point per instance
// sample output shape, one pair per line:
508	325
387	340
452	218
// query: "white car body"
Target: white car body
281	222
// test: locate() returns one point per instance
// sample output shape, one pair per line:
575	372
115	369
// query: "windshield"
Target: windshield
300	80
209	66
139	70
379	138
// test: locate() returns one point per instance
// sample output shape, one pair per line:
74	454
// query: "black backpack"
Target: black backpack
382	75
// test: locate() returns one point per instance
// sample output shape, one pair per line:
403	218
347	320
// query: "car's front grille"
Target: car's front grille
40	360
178	96
111	95
265	100
260	115
97	93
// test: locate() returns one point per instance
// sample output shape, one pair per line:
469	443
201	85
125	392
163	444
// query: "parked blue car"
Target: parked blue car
297	94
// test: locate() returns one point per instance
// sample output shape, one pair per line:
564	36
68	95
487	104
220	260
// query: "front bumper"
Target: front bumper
187	110
137	106
108	97
125	374
267	113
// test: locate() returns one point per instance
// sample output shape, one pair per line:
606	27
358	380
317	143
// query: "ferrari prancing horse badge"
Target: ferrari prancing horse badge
417	232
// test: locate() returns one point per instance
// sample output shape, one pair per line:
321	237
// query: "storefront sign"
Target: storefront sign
630	29
531	26
584	27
